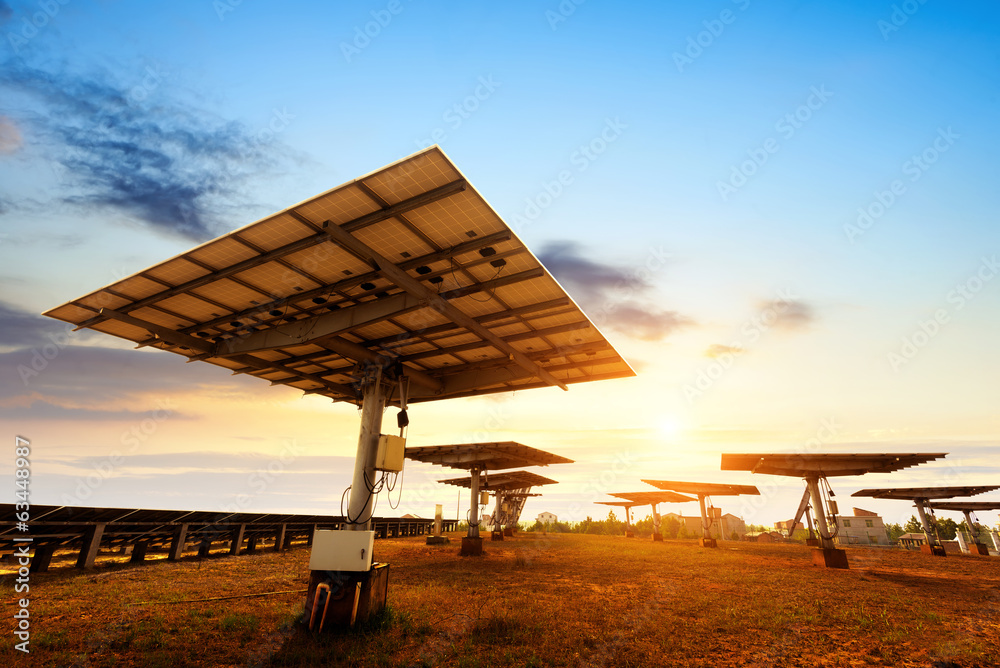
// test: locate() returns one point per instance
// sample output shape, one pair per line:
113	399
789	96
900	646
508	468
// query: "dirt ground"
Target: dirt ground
534	600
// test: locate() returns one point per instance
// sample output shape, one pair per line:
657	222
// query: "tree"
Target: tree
913	525
671	527
894	531
946	528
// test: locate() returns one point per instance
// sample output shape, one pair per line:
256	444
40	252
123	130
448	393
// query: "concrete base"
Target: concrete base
438	540
980	549
830	557
936	550
629	533
708	542
353	597
657	537
496	535
509	532
812	542
471	547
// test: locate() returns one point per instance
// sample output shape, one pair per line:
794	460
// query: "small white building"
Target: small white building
546	518
862	528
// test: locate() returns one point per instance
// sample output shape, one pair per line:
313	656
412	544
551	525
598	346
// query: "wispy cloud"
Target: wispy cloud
5	12
615	295
43	410
23	329
791	313
45	364
168	164
717	350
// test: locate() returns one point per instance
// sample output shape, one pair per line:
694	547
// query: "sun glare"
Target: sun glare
669	427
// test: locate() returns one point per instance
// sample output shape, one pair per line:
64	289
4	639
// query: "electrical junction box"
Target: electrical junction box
342	551
391	450
484	498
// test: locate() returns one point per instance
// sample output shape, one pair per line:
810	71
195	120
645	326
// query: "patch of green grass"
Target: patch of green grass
498	630
239	623
51	640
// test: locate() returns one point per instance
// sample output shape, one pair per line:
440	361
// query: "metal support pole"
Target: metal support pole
474	510
825	539
497	526
656	523
919	503
973	534
704	516
374	394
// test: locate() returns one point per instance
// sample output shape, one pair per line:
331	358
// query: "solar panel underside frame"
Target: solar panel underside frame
289	273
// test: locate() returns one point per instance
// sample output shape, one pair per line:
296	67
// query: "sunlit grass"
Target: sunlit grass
534	600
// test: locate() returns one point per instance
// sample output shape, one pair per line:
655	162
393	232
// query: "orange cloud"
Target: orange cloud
10	137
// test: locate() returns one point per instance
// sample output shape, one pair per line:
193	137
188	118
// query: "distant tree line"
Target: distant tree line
670	527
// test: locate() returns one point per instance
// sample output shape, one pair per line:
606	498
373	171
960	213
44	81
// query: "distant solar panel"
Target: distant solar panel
485	456
914	493
406	266
963	506
646	498
824	465
503	481
704	488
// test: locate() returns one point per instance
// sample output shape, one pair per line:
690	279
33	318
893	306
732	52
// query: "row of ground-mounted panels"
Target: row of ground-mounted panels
68	525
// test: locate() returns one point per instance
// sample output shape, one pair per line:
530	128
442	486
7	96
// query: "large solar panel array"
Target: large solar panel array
406	267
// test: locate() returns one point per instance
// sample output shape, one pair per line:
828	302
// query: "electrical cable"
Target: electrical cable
492	295
827	492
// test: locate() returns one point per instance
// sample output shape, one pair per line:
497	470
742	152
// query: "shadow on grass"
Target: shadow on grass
375	641
391	637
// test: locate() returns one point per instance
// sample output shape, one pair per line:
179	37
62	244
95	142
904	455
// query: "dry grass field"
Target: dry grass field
557	600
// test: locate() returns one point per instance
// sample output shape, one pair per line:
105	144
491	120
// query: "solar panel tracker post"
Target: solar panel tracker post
921	498
815	469
967	508
653	500
974	533
629	533
403	285
481	457
703	490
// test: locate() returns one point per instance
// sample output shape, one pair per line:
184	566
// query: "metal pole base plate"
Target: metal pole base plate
472	547
657	537
936	550
830	557
708	542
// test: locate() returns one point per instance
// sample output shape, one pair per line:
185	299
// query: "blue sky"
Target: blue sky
716	159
